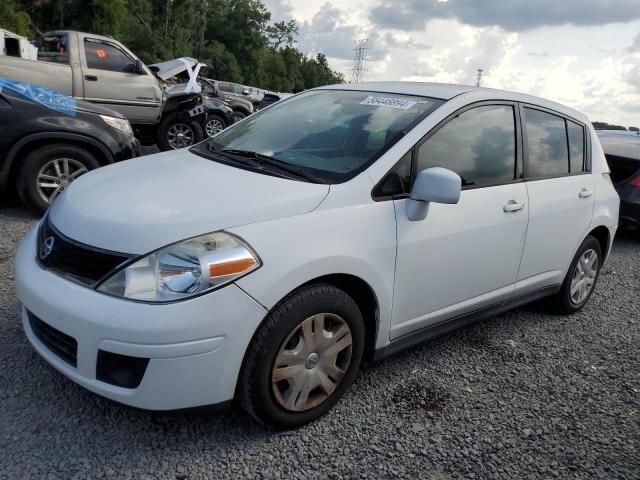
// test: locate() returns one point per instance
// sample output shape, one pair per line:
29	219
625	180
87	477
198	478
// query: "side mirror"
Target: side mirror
245	92
438	185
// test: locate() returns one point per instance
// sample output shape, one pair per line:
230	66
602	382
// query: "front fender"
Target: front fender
358	241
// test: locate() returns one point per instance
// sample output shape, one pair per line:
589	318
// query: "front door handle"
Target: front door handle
91	78
585	193
513	206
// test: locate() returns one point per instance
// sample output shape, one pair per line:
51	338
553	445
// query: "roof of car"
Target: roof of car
447	91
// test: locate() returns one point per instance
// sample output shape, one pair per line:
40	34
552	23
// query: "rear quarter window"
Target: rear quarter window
575	134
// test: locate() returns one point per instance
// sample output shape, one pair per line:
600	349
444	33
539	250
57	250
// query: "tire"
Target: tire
42	162
238	115
564	301
169	131
213	124
264	398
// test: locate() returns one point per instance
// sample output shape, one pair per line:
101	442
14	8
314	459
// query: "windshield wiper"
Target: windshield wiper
261	160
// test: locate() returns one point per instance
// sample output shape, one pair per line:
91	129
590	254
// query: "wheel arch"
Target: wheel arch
241	109
28	144
364	296
602	234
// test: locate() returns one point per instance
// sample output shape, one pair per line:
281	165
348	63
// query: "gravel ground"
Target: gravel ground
527	394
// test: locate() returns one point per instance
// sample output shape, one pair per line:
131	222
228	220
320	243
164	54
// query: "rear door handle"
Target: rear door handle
585	193
91	78
513	206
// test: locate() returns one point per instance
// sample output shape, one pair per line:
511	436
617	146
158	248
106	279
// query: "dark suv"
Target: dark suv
47	140
622	150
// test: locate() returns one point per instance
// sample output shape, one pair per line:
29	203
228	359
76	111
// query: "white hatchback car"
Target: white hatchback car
344	223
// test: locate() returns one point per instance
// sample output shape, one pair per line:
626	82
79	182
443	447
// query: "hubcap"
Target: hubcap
311	362
213	126
179	135
584	276
56	175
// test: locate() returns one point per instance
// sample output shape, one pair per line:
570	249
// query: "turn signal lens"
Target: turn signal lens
231	267
184	269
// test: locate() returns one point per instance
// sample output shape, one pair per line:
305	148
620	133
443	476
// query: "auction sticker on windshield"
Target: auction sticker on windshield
388	102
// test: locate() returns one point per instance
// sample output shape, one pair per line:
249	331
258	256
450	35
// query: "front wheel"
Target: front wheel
303	357
238	115
174	133
581	277
213	125
49	170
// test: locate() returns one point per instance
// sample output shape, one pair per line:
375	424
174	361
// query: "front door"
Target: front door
110	79
466	256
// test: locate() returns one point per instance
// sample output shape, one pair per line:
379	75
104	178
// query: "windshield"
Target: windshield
335	134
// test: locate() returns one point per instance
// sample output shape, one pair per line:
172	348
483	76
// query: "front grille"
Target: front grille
81	263
61	344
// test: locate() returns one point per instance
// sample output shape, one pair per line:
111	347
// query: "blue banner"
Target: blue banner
44	96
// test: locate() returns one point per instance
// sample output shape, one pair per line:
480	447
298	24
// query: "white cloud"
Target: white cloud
594	68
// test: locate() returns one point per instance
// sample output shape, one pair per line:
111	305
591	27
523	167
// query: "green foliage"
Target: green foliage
607	126
233	37
13	19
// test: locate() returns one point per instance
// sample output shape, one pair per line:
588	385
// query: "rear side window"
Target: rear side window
546	144
53	48
575	134
479	145
105	56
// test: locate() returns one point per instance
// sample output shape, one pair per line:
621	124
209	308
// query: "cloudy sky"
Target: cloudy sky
583	53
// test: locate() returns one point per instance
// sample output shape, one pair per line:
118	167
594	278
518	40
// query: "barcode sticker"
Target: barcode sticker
398	103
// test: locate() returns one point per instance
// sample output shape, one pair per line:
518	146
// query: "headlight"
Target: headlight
184	269
121	124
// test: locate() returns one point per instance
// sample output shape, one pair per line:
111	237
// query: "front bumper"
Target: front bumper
195	347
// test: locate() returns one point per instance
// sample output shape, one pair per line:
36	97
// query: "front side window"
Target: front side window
575	134
546	144
105	56
479	145
334	134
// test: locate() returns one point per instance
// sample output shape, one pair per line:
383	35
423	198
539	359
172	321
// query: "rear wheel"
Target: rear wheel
581	277
303	357
48	171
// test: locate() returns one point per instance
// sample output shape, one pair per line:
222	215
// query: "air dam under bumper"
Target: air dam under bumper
195	347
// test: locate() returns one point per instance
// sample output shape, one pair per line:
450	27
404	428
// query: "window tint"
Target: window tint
334	133
106	57
397	181
479	145
575	133
53	48
546	144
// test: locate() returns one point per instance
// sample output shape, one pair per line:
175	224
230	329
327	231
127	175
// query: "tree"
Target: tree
634	129
13	19
607	126
233	37
282	33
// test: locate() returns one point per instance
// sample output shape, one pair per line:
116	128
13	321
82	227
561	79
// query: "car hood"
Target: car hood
171	68
143	204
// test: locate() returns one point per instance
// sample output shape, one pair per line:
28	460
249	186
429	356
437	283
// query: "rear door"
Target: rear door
561	199
110	79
